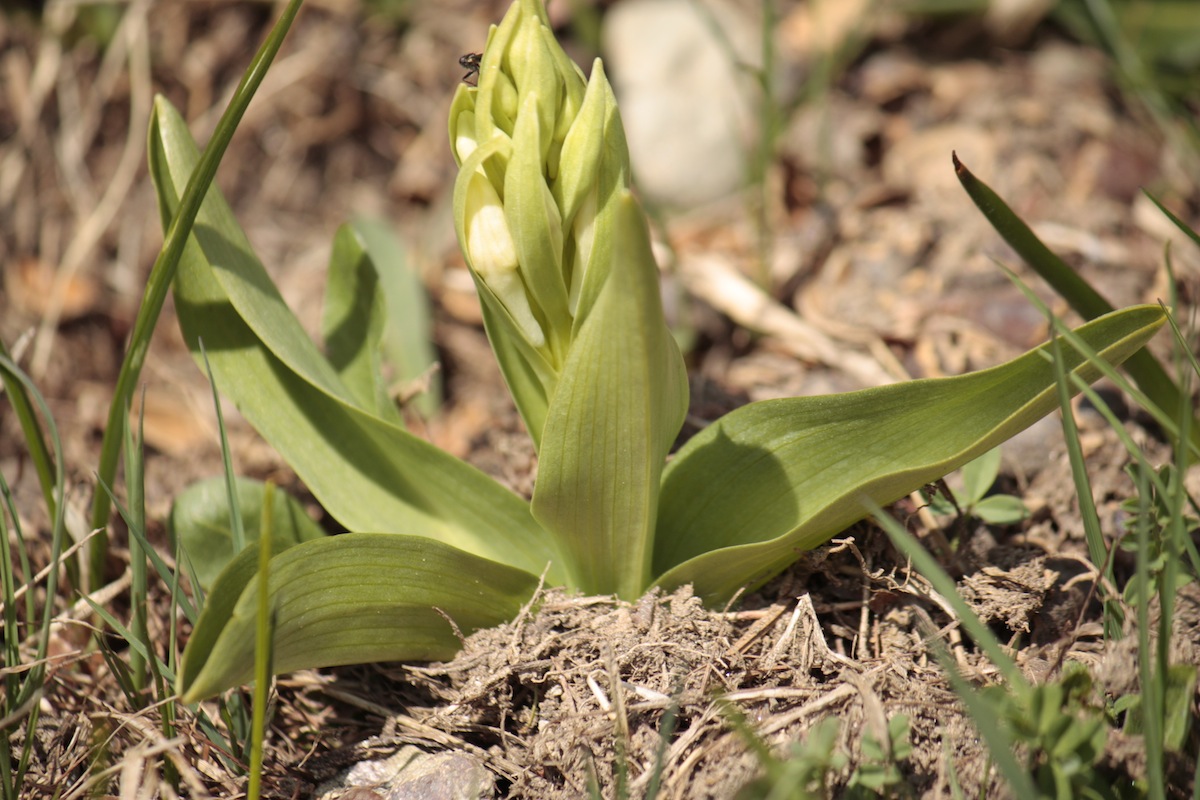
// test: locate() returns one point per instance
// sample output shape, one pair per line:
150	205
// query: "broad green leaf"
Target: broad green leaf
408	323
763	484
349	599
352	325
619	404
368	473
199	521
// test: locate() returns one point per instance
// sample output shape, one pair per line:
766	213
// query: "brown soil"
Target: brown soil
874	246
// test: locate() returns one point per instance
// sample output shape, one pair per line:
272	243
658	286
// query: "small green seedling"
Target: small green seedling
809	768
805	773
878	773
1064	733
973	500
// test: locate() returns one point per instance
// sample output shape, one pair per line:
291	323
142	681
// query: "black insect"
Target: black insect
471	63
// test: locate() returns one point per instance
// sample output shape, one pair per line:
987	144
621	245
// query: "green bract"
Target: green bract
561	257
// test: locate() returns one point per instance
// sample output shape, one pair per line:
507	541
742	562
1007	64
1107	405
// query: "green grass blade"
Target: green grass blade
1183	348
1097	548
264	625
8	592
137	645
36	675
1146	371
1131	447
1147	674
165	573
31	431
163	272
34	679
237	530
1145	468
135	488
10	774
1183	226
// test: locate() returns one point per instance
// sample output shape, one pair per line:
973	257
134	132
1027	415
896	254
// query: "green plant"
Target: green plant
978	477
24	683
1163	394
1064	733
179	229
808	768
803	774
878	771
561	257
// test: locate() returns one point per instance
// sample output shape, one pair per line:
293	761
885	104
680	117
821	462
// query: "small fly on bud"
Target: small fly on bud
471	63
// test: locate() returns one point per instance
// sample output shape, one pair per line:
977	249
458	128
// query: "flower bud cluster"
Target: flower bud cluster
541	153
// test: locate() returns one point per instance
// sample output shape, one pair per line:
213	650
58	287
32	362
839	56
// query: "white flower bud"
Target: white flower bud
464	135
493	255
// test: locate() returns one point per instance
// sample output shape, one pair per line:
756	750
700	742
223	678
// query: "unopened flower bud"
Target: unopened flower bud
542	159
493	255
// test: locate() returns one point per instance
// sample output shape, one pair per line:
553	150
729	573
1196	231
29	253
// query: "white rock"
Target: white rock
690	106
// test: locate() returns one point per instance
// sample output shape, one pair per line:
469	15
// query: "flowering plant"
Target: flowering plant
561	257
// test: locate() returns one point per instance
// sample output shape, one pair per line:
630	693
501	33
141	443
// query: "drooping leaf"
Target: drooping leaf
751	492
368	473
199	521
349	599
619	404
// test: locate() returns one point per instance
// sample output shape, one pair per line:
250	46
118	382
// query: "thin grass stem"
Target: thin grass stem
165	266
